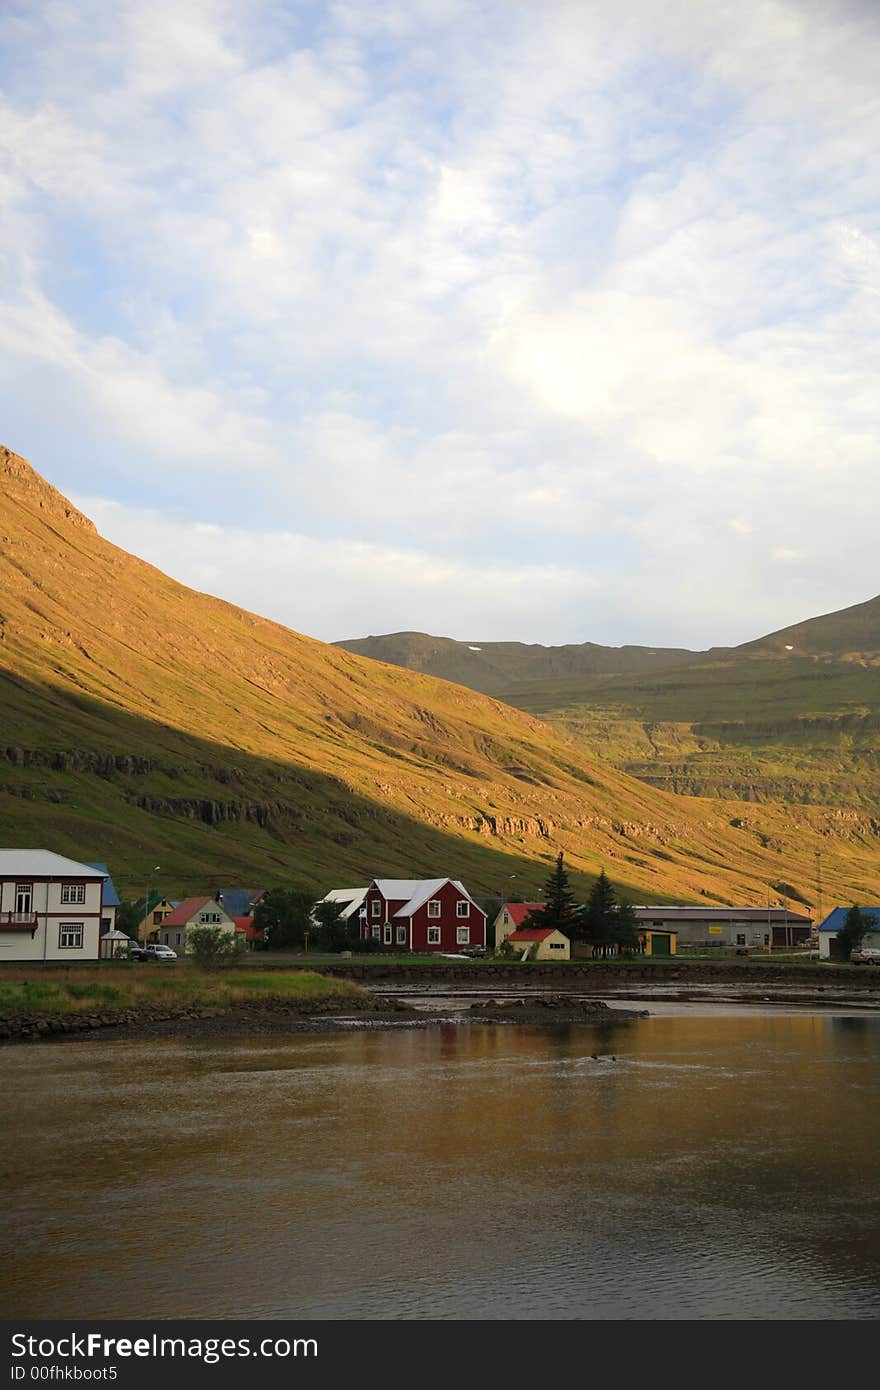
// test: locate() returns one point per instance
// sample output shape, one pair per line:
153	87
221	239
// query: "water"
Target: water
720	1167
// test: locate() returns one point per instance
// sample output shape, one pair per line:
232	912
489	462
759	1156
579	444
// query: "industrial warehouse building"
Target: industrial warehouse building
728	926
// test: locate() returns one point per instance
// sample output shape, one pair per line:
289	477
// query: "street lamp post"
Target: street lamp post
155	869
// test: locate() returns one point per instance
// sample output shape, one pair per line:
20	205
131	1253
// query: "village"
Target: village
55	909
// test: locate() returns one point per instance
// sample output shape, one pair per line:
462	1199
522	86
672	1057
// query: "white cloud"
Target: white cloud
321	587
590	294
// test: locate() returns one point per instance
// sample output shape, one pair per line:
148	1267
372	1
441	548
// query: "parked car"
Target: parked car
869	955
152	953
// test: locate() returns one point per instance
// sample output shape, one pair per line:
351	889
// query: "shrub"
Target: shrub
212	948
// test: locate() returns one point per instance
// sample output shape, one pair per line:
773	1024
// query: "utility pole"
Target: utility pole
819	891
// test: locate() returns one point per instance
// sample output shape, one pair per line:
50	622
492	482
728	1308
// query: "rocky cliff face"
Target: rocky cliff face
19	478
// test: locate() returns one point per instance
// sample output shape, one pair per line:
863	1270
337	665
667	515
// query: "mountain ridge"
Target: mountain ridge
147	723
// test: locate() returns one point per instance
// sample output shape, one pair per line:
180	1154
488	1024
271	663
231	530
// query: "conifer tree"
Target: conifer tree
603	921
849	938
558	910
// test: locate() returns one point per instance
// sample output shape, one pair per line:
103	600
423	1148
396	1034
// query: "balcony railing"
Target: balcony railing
19	921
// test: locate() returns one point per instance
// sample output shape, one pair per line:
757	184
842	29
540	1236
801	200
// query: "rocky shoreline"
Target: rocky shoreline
274	1016
553	1008
150	1021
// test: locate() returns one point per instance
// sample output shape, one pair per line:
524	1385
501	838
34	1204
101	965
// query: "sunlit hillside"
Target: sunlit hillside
144	723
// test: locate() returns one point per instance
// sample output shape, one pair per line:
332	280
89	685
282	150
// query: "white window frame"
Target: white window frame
388	934
377	932
463	936
401	934
74	929
462	908
24	890
375	908
73	894
434	907
434	936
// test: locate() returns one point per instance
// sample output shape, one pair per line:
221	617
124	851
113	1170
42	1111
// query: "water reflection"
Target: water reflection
672	1167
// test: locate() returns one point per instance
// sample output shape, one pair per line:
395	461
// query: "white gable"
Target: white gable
352	897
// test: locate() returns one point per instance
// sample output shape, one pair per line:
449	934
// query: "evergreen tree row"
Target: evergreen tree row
603	920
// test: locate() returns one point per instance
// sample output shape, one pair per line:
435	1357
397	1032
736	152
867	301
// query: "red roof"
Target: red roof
184	912
246	924
532	934
518	912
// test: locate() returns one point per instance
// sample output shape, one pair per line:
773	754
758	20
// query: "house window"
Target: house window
434	907
73	892
433	936
462	909
24	893
157	918
387	933
179	939
401	935
740	938
377	932
557	945
376	908
463	935
70	936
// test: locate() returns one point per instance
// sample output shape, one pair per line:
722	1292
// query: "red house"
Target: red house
432	914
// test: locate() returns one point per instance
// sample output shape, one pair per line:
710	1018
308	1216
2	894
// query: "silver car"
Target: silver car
157	952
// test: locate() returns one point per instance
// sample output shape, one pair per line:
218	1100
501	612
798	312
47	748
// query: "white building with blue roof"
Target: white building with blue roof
835	920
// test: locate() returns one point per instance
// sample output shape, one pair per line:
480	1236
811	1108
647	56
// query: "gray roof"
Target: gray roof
723	914
42	863
239	902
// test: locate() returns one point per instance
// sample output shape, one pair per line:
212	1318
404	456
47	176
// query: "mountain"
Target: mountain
146	724
793	717
852	634
496	668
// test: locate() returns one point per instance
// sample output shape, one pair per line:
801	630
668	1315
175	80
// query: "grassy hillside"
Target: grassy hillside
497	668
793	717
144	723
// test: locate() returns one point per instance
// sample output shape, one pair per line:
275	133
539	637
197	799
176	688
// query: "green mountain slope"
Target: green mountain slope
496	668
793	717
144	723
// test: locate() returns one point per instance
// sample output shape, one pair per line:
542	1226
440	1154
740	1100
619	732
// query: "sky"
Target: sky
546	321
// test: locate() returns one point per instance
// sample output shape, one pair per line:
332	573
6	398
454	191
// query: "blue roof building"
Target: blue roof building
832	924
110	900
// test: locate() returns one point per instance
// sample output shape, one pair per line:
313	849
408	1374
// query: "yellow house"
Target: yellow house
160	908
540	943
